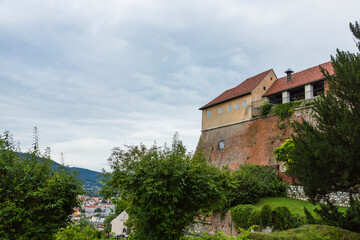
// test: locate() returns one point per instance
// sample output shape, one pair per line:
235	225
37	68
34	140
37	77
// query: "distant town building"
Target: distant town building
118	225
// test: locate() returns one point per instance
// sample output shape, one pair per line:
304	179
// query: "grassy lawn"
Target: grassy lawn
294	205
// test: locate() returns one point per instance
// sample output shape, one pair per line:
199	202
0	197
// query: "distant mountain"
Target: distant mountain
88	177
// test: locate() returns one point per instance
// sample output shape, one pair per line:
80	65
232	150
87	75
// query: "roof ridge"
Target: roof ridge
309	68
243	88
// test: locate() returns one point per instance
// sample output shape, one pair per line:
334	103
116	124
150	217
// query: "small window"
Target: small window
229	107
264	87
219	110
244	103
221	144
209	114
270	78
237	105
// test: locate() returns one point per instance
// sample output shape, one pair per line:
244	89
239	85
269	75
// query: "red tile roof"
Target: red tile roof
242	89
299	79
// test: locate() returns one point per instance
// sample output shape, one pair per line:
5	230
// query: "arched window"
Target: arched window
221	144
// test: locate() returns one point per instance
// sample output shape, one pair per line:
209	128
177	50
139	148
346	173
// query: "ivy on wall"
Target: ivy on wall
284	111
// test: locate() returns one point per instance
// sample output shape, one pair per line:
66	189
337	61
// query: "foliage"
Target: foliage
35	201
278	218
244	215
281	218
82	231
294	205
265	108
309	217
326	153
308	232
252	182
265	216
330	215
283	153
286	110
164	187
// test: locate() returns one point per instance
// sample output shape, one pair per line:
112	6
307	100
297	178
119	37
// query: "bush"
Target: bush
309	217
281	219
265	109
252	182
265	216
350	220
244	216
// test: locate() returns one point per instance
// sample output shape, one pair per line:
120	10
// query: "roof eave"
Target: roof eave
266	95
204	107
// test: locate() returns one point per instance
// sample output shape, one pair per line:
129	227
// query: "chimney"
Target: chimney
288	73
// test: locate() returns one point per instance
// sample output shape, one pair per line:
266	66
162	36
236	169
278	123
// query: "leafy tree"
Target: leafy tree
35	201
326	153
252	182
98	210
84	230
164	187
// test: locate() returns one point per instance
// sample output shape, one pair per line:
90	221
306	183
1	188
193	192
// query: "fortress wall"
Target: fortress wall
251	141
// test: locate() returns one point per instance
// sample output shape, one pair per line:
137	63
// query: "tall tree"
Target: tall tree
164	188
35	200
326	154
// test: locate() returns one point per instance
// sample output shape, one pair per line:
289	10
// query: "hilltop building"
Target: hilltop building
234	105
305	84
232	131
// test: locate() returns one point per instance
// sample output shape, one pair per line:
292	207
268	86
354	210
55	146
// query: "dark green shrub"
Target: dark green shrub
265	216
309	217
247	189
350	220
244	216
281	219
330	214
252	182
352	216
265	109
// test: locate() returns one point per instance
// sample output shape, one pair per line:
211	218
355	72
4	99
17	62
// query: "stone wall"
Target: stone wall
251	141
337	198
217	223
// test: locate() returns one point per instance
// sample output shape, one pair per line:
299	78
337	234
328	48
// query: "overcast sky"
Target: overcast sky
95	74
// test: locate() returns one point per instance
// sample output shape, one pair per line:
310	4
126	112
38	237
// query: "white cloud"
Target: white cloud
93	75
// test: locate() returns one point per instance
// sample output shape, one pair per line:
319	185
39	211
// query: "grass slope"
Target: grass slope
294	205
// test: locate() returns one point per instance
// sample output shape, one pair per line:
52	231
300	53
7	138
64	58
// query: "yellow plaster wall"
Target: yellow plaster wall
227	117
268	80
236	115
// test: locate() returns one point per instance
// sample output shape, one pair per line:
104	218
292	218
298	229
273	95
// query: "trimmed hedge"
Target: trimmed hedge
279	218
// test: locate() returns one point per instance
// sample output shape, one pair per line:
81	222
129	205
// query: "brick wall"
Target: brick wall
251	141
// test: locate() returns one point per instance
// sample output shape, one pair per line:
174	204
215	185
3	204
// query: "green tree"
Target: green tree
35	200
164	188
326	153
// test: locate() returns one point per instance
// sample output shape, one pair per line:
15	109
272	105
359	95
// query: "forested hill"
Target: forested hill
86	176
